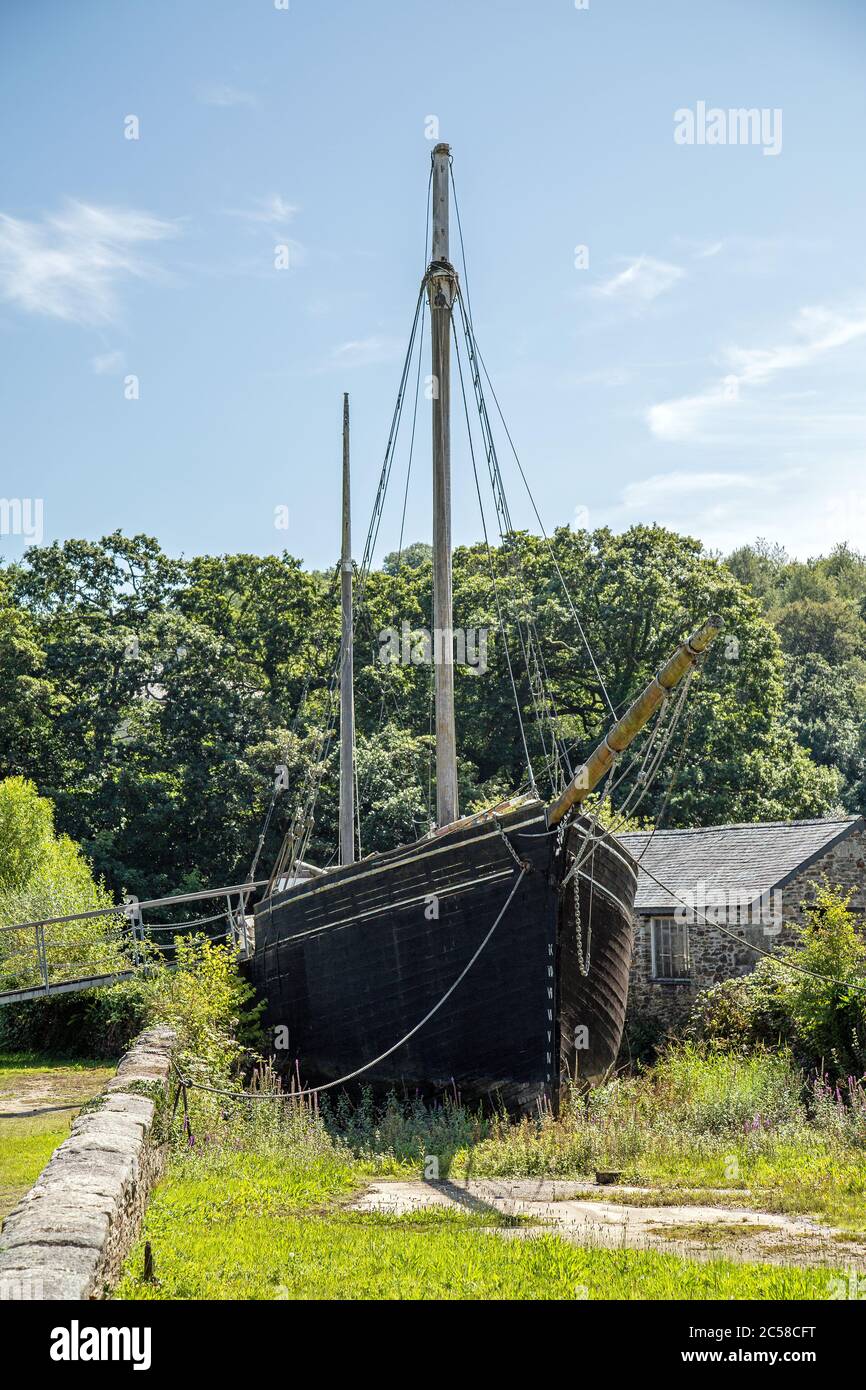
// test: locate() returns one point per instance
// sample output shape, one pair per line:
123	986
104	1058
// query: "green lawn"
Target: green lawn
235	1225
25	1148
27	1142
22	1072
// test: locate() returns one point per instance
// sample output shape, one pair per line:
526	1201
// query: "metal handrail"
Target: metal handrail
130	930
122	909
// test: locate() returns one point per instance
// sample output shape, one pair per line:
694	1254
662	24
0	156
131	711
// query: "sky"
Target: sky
213	224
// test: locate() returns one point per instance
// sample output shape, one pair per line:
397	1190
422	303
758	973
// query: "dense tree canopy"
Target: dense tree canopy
818	608
152	698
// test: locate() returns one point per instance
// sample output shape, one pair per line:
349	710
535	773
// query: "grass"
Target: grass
259	1207
22	1072
28	1141
230	1224
41	1061
716	1232
25	1148
698	1120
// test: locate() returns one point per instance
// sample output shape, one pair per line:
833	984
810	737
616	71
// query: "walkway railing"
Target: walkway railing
56	955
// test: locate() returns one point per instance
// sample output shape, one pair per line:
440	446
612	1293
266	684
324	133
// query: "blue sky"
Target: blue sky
705	369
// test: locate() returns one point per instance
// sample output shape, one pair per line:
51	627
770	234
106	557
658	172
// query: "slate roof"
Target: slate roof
741	860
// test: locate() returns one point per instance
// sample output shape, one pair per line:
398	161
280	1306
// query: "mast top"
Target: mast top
442	148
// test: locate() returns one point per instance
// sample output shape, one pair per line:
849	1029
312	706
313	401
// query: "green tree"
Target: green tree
164	693
830	628
43	876
818	608
26	831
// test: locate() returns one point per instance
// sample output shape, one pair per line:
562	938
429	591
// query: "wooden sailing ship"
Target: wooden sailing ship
493	954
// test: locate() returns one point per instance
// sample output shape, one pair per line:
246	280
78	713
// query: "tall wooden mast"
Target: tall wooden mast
441	289
347	694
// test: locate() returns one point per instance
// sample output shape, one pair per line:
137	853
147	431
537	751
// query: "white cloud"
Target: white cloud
673	489
820	332
700	250
642	281
817	330
70	264
270	216
107	363
806	508
223	94
272	211
366	352
680	419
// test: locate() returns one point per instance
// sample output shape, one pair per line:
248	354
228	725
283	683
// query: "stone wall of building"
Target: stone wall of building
68	1237
843	865
715	956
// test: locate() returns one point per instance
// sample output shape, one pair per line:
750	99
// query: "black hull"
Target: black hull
351	961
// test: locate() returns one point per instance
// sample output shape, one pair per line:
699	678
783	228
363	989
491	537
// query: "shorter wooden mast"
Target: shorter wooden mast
347	692
617	739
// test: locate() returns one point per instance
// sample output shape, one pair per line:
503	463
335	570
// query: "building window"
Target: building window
670	949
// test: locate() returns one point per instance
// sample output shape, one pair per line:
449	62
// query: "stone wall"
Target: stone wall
68	1237
844	864
716	957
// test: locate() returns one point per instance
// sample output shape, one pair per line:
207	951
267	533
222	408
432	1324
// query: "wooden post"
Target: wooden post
441	291
347	694
620	736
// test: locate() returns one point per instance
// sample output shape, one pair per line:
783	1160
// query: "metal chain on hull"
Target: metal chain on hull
583	961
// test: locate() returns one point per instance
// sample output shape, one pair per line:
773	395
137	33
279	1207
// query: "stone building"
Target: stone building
728	888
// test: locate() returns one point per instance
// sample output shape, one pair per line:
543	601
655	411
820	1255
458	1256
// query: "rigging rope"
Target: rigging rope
296	842
359	1071
642	784
555	751
741	941
418	375
500	620
531	648
480	359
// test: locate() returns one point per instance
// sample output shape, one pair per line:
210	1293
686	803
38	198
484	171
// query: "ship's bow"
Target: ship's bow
594	946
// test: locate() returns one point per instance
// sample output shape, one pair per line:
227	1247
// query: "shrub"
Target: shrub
828	1015
204	999
745	1011
642	1038
805	995
26	831
712	1092
91	1023
207	1003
